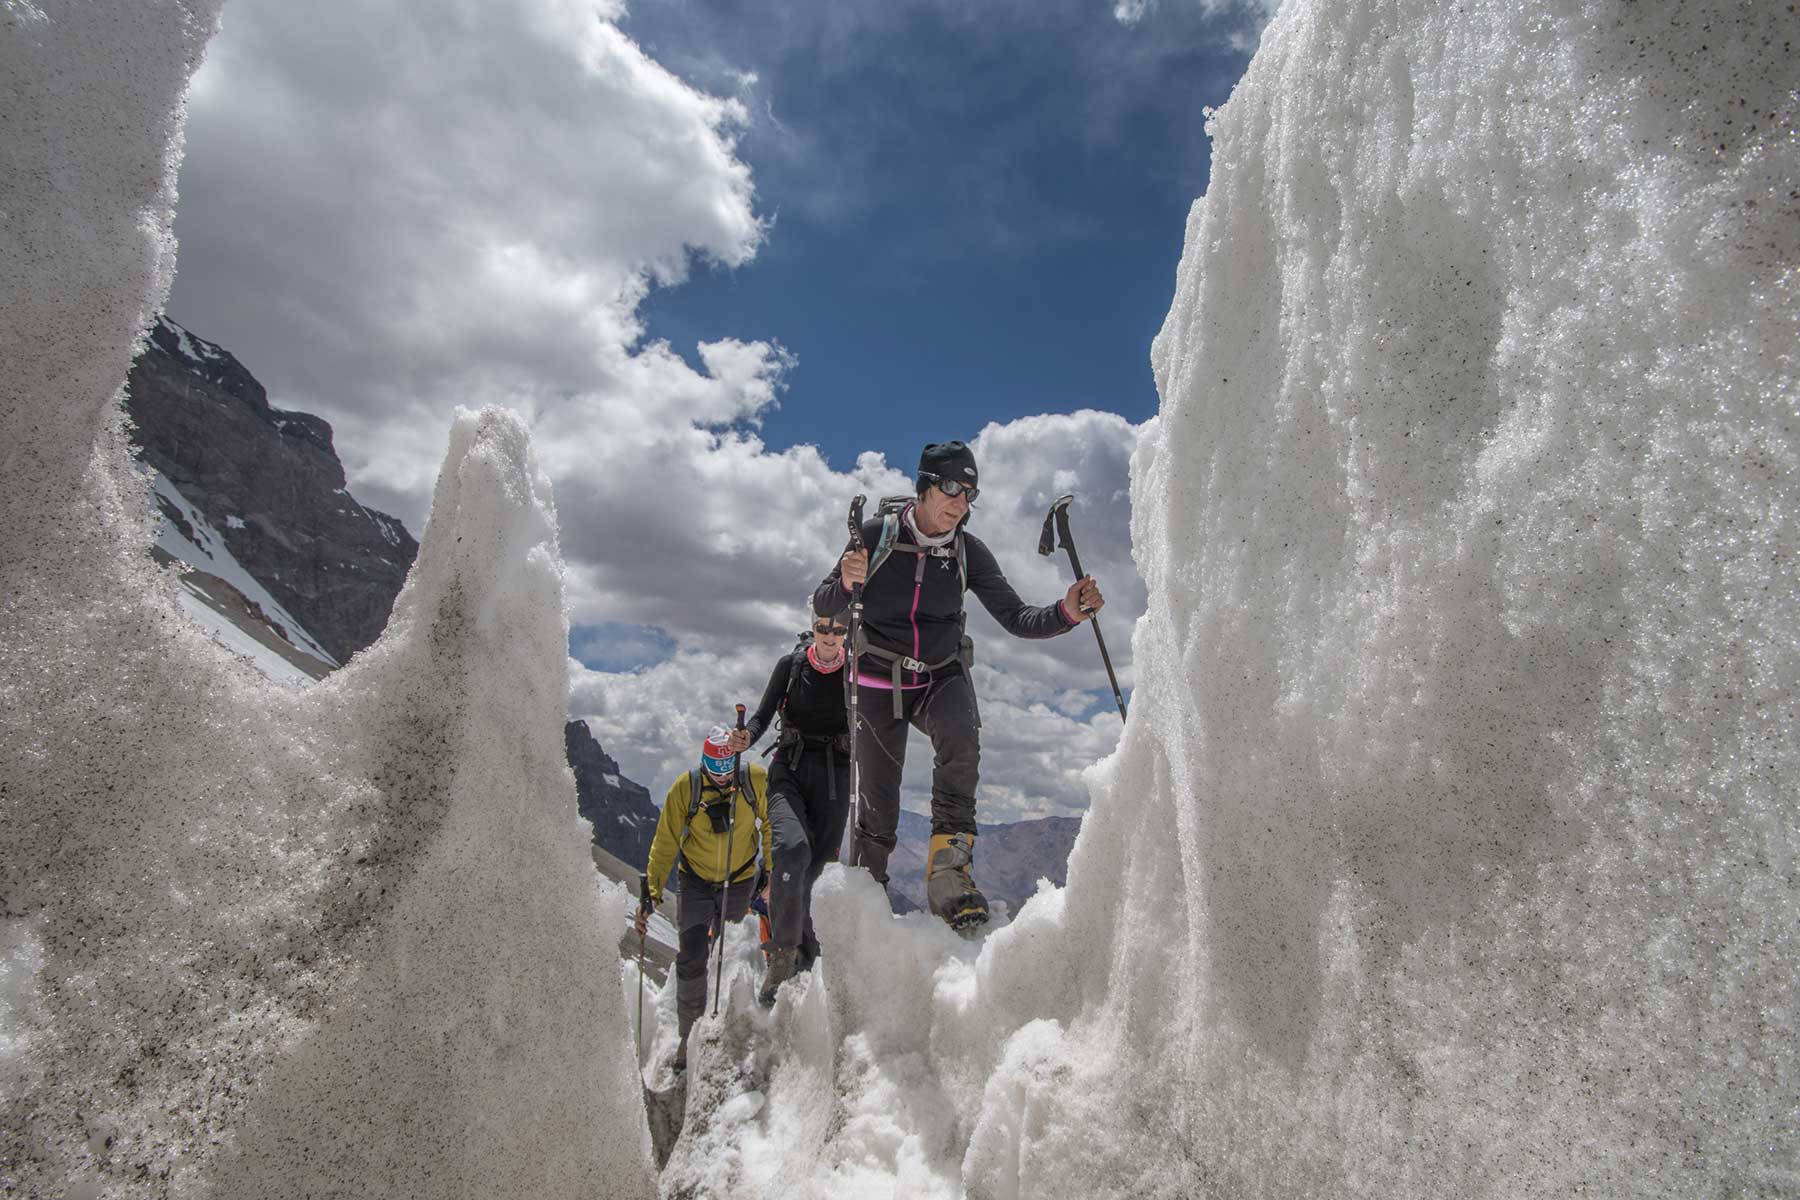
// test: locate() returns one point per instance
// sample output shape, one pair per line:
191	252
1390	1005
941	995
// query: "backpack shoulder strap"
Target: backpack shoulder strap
884	546
694	785
796	667
890	534
693	807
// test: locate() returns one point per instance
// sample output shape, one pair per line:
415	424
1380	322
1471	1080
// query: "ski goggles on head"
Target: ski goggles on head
952	487
722	766
826	629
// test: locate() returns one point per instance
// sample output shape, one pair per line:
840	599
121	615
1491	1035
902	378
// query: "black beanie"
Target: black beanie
949	460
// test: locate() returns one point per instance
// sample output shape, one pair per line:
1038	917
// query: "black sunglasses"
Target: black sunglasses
951	487
831	630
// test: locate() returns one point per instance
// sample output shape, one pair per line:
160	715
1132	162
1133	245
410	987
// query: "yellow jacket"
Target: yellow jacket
701	849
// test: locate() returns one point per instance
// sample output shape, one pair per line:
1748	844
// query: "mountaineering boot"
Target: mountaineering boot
778	972
948	885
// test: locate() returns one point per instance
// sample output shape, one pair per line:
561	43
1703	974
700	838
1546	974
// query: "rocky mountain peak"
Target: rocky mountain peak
270	482
623	813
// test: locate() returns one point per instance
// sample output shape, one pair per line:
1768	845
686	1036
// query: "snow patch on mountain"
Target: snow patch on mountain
184	534
195	349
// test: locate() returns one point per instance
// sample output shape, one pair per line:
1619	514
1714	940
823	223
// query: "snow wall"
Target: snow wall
256	943
1450	848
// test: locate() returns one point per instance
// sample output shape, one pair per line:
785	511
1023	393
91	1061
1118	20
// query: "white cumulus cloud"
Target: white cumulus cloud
388	210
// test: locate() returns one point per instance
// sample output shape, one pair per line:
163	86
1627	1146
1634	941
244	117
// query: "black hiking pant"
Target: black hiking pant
697	915
809	801
944	711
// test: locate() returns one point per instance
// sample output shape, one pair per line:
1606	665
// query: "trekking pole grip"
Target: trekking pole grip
1062	529
856	543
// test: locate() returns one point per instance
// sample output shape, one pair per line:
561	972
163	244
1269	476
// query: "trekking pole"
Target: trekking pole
1056	522
643	904
737	764
854	654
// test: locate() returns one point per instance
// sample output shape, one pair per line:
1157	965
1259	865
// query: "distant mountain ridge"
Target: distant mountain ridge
1009	858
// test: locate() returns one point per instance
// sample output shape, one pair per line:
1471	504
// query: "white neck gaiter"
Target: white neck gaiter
942	539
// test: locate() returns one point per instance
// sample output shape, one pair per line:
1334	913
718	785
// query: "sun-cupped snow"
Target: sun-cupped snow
490	946
1445	854
259	942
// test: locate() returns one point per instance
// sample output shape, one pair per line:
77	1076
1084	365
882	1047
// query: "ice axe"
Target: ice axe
1056	522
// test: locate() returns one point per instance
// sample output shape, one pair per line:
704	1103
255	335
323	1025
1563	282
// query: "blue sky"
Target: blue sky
976	216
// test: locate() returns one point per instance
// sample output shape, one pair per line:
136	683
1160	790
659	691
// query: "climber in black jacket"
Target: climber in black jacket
913	667
809	791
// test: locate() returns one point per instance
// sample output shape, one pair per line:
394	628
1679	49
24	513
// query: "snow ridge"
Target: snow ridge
238	917
487	946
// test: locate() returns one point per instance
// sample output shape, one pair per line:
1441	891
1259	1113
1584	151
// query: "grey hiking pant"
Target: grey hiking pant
696	910
945	711
809	800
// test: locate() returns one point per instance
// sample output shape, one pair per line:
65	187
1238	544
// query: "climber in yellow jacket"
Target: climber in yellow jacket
714	830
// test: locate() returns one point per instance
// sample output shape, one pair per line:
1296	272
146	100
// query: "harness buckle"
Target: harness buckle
913	665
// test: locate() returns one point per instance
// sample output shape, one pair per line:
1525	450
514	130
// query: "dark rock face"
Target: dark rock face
623	814
271	484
